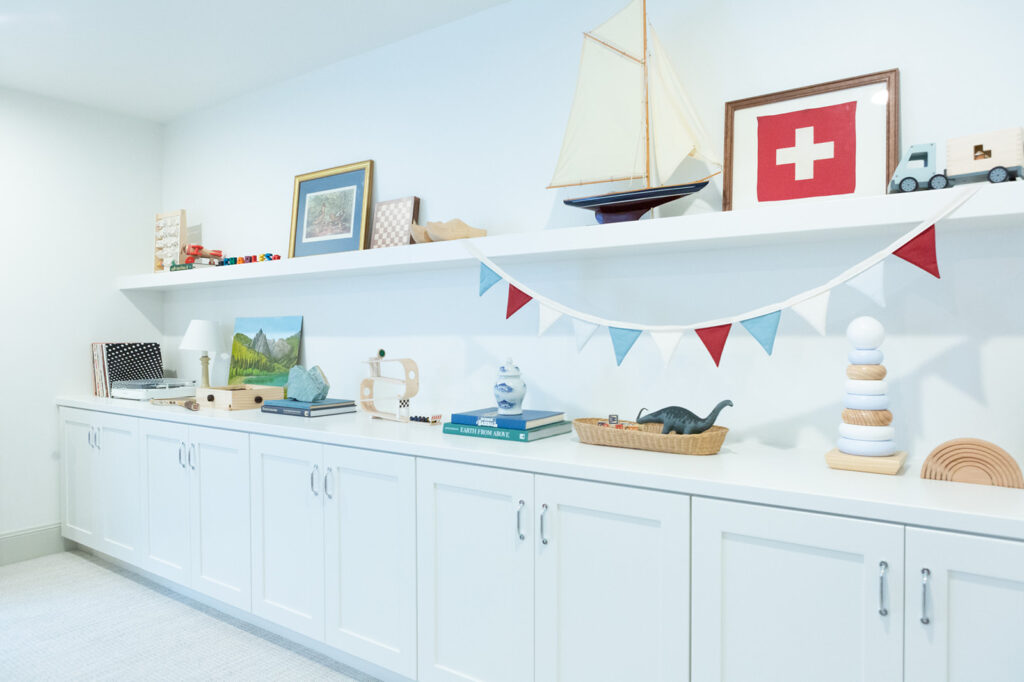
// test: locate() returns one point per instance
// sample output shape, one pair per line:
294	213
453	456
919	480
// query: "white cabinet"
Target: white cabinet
195	484
795	596
78	475
101	497
612	583
334	547
524	577
370	551
288	533
965	608
475	557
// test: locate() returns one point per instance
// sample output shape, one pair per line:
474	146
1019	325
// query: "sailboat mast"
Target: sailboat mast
647	110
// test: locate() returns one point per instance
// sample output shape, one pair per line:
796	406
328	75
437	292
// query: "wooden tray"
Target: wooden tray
651	438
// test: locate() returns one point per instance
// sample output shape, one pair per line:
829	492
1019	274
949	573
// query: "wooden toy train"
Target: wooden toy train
997	157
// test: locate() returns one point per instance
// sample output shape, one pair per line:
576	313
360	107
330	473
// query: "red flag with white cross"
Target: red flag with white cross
807	153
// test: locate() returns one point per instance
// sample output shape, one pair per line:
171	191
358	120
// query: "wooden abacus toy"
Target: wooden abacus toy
866	436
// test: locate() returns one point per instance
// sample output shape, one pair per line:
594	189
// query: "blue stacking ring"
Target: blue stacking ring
866	402
860	356
866	448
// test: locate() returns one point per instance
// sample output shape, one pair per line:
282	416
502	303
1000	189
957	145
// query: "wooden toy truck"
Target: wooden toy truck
997	156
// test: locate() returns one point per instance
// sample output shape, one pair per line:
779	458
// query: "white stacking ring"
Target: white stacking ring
859	356
866	402
867	386
861	432
866	448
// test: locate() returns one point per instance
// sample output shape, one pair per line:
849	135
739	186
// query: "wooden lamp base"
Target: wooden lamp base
873	465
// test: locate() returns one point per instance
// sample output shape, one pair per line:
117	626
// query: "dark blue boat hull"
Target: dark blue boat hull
622	206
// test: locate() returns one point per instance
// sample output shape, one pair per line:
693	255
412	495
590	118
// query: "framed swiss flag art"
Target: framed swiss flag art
834	139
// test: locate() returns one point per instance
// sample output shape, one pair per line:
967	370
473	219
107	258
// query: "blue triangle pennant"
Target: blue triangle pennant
488	278
764	328
622	341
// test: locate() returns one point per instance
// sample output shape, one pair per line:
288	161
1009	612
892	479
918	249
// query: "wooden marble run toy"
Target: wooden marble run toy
408	383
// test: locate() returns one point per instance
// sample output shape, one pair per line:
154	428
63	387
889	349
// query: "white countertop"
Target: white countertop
746	471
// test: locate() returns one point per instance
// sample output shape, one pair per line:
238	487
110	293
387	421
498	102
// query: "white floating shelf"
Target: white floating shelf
795	221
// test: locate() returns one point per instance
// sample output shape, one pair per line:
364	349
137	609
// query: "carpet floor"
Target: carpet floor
70	616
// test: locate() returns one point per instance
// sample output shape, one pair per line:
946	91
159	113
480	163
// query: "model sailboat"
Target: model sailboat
630	120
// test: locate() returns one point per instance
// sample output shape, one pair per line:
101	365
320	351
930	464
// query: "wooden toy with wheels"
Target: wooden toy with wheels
370	389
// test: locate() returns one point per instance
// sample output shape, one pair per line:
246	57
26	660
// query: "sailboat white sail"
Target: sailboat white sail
629	108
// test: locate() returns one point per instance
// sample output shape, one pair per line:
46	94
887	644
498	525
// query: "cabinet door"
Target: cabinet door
475	573
794	596
165	499
120	500
288	533
79	479
973	600
370	531
613	583
220	515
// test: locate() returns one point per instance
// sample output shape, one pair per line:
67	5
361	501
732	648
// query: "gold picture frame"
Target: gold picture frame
331	210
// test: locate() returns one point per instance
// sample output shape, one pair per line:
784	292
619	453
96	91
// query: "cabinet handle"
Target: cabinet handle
96	439
519	519
181	453
543	532
329	474
313	477
92	436
883	567
925	574
191	451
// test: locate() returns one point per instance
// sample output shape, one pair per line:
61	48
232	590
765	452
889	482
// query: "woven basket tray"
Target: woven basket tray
651	438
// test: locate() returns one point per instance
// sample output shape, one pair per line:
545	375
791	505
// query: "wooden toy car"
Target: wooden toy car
997	156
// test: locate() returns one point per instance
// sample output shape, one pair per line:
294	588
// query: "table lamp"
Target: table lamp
202	335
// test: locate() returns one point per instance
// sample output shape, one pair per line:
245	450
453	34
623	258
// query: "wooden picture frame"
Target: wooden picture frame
392	222
171	237
331	210
749	178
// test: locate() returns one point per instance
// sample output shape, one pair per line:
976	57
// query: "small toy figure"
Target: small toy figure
681	420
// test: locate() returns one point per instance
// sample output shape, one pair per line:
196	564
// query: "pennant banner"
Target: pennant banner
916	247
548	316
814	310
516	300
667	342
713	339
764	328
871	283
622	341
920	251
488	278
583	331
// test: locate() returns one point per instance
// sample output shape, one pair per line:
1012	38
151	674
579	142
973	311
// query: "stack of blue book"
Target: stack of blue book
320	408
528	426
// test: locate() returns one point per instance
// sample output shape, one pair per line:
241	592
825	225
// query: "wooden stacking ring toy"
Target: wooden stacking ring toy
972	460
866	372
867	417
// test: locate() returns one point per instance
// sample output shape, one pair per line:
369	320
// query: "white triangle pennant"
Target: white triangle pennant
583	330
548	316
667	342
871	283
814	310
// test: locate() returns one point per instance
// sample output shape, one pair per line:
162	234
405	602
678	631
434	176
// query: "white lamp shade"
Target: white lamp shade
201	335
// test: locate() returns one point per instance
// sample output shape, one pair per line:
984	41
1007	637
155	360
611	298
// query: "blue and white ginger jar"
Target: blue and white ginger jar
509	389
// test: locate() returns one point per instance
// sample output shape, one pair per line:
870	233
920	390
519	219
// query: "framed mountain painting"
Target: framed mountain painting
263	349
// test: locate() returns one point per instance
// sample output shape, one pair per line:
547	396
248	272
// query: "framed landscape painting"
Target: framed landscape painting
331	210
263	349
831	139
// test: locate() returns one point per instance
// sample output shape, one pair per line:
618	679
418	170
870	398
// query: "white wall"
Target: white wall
469	117
78	190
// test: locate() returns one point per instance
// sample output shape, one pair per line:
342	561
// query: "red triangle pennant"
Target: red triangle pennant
714	340
920	251
516	300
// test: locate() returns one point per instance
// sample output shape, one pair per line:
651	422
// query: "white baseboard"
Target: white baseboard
22	545
226	611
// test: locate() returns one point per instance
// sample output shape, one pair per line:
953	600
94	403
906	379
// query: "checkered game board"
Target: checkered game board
392	220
